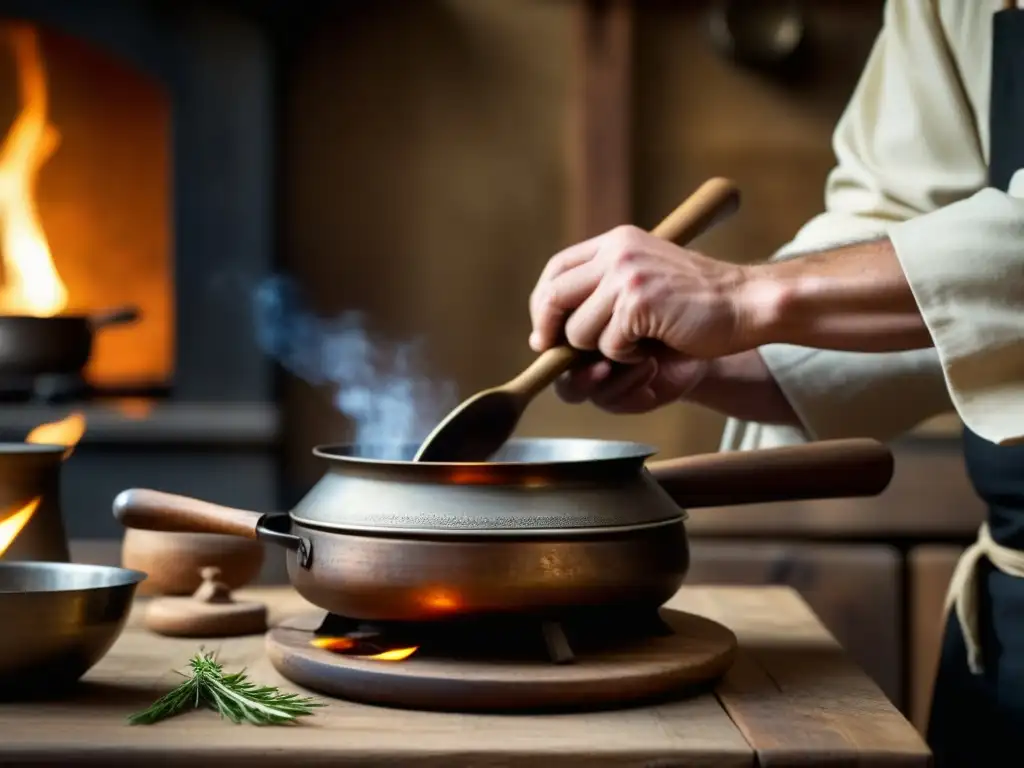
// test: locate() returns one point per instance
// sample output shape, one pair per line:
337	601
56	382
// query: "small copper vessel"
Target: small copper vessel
30	477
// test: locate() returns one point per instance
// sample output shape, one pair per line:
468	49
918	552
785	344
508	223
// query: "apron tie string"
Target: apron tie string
963	588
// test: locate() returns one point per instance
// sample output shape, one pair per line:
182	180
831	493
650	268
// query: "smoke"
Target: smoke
375	384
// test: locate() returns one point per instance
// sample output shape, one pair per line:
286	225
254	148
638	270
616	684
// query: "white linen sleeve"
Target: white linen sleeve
905	146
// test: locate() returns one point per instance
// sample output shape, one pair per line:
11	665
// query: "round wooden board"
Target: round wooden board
699	652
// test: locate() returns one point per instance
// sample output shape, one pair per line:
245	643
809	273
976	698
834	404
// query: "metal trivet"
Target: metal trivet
503	638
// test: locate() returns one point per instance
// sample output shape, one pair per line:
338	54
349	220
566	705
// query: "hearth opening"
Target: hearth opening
85	191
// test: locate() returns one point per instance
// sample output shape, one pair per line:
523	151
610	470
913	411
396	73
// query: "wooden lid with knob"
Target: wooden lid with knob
210	611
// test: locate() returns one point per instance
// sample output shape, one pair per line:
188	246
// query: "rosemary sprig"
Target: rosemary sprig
232	696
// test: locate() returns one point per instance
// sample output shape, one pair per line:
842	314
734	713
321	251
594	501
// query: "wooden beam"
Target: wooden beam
600	117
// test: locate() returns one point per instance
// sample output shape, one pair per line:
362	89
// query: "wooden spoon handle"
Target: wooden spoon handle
548	366
158	511
716	199
824	470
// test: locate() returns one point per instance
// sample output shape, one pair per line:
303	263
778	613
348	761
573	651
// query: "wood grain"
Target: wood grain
854	589
794	694
600	117
794	698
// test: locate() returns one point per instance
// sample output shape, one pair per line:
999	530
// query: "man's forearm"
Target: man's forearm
854	298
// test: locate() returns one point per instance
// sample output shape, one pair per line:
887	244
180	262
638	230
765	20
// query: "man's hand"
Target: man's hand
626	286
656	381
740	386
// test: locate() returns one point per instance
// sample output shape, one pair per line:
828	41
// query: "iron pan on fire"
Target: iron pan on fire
59	620
35	346
551	525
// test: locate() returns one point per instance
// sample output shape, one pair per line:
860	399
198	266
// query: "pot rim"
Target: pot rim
476	533
71	577
612	451
20	448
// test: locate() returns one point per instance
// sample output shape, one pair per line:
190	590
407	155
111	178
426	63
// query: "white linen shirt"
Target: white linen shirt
912	152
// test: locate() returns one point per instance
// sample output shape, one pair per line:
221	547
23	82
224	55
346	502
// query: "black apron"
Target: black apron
978	720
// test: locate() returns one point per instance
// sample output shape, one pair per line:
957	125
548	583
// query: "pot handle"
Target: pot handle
119	316
828	469
159	511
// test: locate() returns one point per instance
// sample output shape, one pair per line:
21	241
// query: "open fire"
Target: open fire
13	524
67	432
363	649
31	284
84	187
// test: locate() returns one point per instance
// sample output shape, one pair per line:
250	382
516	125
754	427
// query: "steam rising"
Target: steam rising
376	385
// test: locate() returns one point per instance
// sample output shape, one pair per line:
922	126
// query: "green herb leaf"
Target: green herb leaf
232	696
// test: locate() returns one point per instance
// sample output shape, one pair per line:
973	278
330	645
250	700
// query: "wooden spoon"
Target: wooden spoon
481	425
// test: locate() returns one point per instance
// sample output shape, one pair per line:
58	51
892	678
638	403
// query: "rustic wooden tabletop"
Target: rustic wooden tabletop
791	698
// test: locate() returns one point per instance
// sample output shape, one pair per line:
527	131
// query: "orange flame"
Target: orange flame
31	284
67	432
12	525
395	654
135	407
334	644
345	645
441	600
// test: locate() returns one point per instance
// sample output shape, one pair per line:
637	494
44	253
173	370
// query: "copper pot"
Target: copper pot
549	526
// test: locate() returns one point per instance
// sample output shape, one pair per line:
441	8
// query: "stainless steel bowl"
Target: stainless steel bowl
57	620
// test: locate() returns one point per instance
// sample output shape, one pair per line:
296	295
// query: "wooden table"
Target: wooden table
792	698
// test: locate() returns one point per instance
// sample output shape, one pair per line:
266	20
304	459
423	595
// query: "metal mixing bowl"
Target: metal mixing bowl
57	620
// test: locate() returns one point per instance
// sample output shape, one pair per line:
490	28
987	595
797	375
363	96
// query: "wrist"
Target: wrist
742	387
760	302
854	298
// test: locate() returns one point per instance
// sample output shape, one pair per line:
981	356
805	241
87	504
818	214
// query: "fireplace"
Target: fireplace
137	168
85	198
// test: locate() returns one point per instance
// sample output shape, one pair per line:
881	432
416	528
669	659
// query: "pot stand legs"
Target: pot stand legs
524	638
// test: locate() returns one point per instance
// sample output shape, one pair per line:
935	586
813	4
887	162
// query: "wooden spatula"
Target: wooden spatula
481	425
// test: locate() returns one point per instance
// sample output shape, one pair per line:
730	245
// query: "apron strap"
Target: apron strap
963	588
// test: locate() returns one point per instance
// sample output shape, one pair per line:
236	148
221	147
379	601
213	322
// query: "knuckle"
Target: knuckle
625	259
548	300
635	281
624	233
557	263
623	244
576	338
